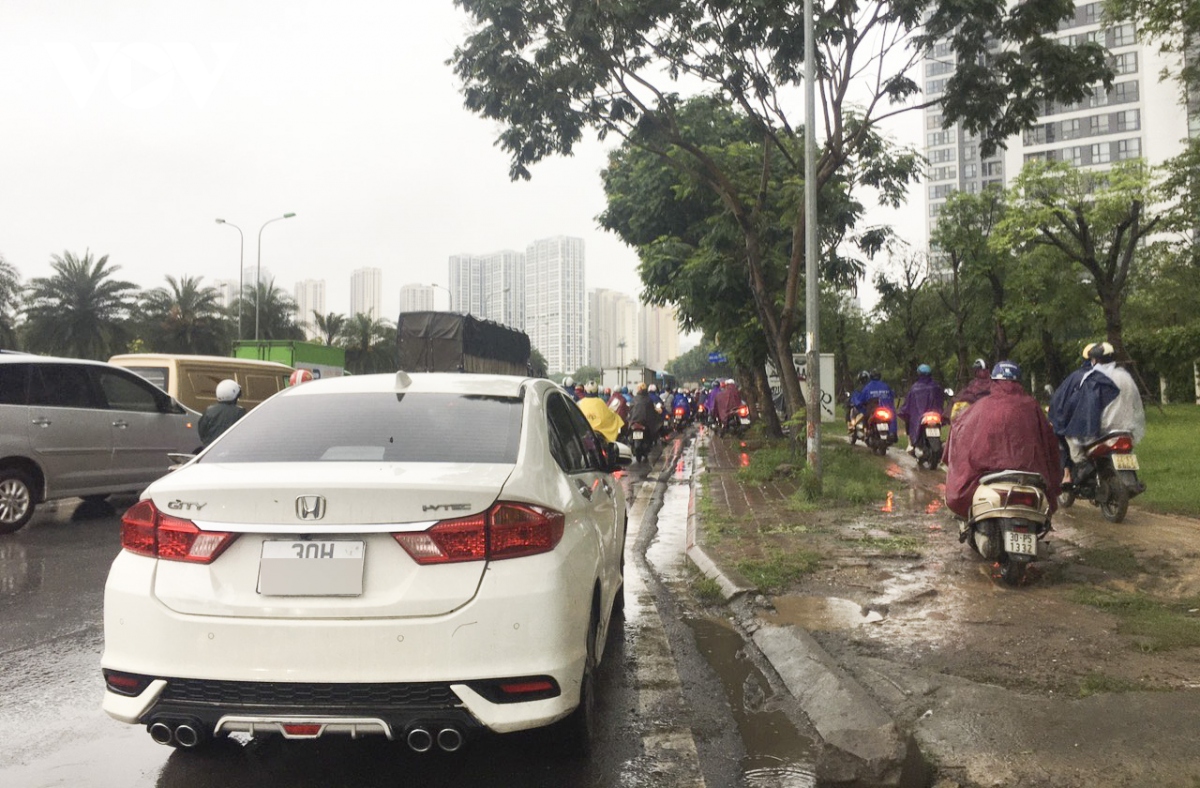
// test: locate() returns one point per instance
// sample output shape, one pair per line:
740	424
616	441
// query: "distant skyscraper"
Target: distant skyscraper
555	303
226	291
613	330
366	293
660	336
310	298
416	298
490	286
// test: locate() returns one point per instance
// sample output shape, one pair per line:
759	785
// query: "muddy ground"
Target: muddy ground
895	587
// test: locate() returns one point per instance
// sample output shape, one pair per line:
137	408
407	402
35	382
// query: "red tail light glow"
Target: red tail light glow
1118	444
1026	498
507	530
147	531
932	419
679	412
883	414
744	411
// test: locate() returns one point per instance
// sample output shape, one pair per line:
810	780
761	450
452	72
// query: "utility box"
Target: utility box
450	342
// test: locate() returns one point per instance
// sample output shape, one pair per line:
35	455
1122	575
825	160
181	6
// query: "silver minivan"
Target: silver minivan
70	427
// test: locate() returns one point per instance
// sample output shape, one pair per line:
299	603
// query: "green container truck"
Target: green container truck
324	361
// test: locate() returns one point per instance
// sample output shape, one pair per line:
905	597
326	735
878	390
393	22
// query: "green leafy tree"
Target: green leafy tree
272	309
1096	220
370	345
910	309
548	71
10	295
329	326
184	317
81	310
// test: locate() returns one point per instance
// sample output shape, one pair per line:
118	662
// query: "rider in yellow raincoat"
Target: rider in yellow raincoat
599	415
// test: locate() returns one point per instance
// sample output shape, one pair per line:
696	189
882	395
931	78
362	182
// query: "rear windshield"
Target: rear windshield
376	427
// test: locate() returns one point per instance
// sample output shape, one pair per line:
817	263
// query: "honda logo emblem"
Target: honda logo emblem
310	507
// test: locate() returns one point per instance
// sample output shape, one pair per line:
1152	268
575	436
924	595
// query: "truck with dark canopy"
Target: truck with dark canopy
450	342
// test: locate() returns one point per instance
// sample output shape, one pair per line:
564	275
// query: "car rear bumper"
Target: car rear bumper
399	671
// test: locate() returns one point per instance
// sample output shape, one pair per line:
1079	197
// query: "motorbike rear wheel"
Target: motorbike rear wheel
1013	572
1066	498
1112	496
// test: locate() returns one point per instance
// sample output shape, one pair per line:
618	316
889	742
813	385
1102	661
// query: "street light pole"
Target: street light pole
449	292
241	269
258	269
621	345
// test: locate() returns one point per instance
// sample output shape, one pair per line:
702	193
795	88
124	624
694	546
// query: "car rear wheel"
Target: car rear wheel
16	500
577	730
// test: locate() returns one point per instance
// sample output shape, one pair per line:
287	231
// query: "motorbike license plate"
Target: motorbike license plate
1125	462
744	421
882	428
638	435
311	568
933	432
1016	542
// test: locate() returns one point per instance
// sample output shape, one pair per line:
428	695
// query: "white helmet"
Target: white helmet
653	387
590	387
228	391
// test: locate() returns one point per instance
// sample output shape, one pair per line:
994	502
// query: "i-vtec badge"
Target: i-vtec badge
310	507
445	507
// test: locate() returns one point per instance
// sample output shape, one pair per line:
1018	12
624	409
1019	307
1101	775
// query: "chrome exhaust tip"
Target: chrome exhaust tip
419	740
187	736
449	739
160	732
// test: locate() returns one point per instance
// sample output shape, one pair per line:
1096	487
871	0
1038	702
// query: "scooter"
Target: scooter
1109	477
737	421
878	433
639	441
1010	515
928	445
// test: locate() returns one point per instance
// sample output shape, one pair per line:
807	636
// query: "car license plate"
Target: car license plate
638	435
311	568
1125	462
1017	542
933	432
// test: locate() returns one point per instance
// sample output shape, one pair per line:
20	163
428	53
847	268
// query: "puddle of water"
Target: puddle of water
777	755
666	552
820	612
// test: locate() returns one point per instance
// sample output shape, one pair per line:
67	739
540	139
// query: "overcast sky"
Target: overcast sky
131	125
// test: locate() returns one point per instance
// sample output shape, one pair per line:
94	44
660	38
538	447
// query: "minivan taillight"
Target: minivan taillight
147	531
507	530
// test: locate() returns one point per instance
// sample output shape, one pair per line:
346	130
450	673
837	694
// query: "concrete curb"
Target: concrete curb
867	748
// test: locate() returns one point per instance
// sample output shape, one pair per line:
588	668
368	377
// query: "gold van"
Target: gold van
193	379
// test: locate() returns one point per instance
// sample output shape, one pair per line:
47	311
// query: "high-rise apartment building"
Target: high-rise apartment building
1140	116
310	300
366	293
555	301
614	332
490	286
659	336
227	291
416	298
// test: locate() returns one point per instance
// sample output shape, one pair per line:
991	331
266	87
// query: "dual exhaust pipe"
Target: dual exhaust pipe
448	739
185	735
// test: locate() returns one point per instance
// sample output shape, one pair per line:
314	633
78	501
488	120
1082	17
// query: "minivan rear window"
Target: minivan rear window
376	427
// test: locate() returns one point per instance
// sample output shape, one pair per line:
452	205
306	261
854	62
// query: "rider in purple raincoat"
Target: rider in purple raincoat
924	396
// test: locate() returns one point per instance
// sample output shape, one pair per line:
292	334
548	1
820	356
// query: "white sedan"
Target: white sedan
419	556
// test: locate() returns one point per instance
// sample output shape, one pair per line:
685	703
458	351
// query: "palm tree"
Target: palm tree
10	293
80	311
276	311
329	326
370	345
184	317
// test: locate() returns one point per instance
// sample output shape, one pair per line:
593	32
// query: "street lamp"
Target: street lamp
448	292
258	269
487	299
621	345
241	268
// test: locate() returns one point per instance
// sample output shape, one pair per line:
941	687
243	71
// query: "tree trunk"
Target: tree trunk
766	407
1112	325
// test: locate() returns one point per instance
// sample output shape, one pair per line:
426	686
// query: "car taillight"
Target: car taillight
744	411
932	419
147	531
883	414
507	530
130	684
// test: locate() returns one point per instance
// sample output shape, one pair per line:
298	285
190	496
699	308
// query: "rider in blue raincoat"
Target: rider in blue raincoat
875	390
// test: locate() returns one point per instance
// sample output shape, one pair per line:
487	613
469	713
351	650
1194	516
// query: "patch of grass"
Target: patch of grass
715	523
849	478
1097	683
1154	625
892	545
765	460
1116	559
779	569
706	590
1167	457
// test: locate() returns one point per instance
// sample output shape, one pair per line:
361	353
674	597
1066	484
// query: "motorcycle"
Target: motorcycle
928	445
878	434
737	421
1109	478
639	441
1010	514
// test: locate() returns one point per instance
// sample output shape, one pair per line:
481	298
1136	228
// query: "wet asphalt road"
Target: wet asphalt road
654	729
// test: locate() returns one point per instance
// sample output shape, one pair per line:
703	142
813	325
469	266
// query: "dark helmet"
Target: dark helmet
1101	352
1006	370
864	376
875	374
